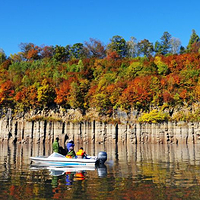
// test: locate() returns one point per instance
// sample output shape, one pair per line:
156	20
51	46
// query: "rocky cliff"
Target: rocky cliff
43	127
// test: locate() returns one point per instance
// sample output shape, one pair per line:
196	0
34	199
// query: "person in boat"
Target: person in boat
71	153
81	153
56	145
70	143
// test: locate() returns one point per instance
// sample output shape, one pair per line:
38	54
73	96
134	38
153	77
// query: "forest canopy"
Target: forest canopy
123	74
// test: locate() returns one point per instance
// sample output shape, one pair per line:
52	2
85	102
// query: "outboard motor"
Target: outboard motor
102	157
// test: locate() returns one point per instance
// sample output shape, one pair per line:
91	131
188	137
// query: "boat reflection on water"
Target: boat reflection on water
71	173
74	176
102	170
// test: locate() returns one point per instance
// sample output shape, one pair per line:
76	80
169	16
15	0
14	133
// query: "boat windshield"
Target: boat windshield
57	155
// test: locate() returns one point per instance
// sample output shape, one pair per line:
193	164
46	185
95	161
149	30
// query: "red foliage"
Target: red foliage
112	55
183	94
167	97
46	52
138	90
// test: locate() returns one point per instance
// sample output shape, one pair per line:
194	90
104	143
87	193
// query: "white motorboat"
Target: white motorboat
56	159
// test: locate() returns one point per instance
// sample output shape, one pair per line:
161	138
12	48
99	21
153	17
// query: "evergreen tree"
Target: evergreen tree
119	45
2	56
145	48
165	45
182	50
194	38
157	47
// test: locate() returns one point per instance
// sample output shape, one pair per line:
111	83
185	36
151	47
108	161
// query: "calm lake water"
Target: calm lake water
131	172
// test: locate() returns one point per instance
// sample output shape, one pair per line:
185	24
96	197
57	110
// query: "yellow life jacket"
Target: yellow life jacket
80	152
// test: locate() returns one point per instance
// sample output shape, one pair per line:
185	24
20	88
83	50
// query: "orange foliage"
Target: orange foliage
62	92
6	91
138	90
27	96
183	94
33	53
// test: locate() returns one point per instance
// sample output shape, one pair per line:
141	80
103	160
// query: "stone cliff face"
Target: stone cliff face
20	129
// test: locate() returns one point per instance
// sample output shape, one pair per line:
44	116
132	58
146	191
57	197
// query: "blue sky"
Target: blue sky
63	22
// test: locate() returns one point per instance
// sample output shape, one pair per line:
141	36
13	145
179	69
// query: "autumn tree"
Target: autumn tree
26	97
63	91
30	51
96	48
137	94
25	47
17	57
47	52
77	93
45	93
6	92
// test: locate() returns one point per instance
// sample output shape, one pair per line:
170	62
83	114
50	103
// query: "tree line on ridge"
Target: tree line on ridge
122	75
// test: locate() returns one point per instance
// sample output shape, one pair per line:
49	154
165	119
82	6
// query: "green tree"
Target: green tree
165	45
157	48
145	48
194	38
61	53
77	51
2	56
118	44
182	50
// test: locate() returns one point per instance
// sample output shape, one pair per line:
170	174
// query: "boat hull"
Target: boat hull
58	160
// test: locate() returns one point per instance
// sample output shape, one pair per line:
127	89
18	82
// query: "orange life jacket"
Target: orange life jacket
79	176
67	156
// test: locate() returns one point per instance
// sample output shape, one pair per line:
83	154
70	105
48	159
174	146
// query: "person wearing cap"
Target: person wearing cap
70	144
56	145
71	153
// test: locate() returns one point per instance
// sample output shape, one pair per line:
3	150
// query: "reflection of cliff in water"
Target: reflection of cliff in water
166	164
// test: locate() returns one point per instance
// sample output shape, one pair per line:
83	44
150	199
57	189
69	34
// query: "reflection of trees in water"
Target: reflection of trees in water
138	172
166	164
